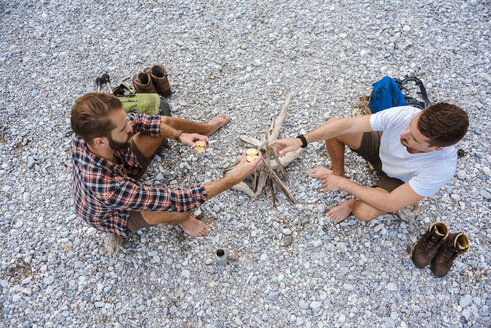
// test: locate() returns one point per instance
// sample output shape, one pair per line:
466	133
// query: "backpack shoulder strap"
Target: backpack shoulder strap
421	86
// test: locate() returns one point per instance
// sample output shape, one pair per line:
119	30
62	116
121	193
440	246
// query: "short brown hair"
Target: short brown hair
445	124
89	118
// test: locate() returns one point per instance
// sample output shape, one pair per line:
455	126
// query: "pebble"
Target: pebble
303	304
341	247
287	232
286	241
48	280
391	286
272	296
486	194
315	306
465	300
186	274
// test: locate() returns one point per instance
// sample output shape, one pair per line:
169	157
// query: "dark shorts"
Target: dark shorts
369	150
135	220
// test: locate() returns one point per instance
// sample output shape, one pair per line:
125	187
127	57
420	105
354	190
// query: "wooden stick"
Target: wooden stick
282	169
272	192
279	183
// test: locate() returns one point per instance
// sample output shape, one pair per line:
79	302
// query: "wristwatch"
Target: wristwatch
304	141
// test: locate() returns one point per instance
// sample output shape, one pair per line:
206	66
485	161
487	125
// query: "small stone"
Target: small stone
48	280
286	241
317	243
349	287
315	306
303	305
321	208
99	304
391	286
287	232
26	196
341	247
173	309
465	301
461	175
485	194
263	257
186	274
16	298
272	296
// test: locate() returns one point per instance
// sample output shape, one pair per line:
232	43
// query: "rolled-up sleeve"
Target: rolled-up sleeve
148	124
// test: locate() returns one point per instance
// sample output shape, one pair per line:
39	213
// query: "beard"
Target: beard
116	145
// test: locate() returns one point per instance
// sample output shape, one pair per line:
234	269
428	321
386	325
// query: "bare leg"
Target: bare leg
146	144
335	148
361	210
189	224
206	129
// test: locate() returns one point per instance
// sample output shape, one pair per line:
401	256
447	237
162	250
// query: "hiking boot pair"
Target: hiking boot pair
439	247
153	80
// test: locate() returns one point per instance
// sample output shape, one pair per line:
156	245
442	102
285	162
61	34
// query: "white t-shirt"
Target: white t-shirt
426	172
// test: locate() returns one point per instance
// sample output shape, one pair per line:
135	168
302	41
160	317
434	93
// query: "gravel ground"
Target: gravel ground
238	57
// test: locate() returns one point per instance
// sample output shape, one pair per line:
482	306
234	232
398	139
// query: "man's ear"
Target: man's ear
99	141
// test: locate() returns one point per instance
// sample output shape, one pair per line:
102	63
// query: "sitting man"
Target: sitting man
411	150
112	150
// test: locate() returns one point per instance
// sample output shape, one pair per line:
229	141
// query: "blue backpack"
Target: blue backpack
387	93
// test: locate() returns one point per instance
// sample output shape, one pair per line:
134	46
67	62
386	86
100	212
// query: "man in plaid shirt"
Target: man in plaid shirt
111	151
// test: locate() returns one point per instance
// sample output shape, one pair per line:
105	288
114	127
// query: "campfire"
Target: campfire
266	173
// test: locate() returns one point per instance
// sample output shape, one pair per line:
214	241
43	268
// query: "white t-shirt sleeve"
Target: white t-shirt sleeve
382	120
427	184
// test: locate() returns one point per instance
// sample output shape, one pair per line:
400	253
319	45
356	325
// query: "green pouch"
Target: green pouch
145	103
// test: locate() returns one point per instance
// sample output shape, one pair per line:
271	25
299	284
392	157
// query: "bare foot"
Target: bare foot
217	122
195	227
340	212
319	172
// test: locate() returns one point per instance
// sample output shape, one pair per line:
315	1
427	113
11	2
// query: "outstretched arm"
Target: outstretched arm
243	170
332	128
401	197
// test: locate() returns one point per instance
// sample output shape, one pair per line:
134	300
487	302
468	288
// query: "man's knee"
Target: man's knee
364	212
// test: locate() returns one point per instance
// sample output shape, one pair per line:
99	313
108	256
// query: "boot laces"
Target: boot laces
448	255
432	243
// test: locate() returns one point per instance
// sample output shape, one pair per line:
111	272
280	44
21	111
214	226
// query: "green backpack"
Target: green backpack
141	103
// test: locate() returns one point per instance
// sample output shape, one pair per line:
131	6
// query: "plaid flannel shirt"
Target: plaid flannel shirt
105	192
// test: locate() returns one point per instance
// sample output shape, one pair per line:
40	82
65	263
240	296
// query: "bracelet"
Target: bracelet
178	135
304	141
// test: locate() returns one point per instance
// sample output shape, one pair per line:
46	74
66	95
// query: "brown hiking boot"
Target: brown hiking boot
427	246
143	83
454	245
160	80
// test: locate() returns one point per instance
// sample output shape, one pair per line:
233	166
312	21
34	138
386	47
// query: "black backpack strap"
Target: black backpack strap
421	86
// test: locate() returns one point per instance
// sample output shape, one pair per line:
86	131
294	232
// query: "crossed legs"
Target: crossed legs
148	145
335	148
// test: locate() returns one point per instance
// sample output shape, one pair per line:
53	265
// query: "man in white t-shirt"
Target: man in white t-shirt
411	150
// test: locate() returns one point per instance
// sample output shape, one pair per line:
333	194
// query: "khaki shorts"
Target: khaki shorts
369	150
135	220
